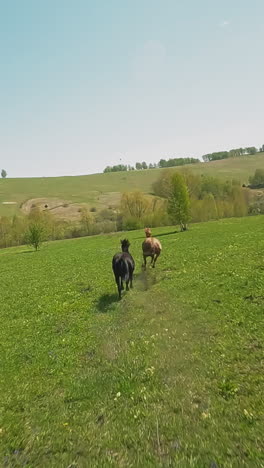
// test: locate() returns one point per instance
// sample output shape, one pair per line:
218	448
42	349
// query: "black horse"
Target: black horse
123	266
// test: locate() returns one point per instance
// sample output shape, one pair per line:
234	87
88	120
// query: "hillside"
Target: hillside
171	375
102	190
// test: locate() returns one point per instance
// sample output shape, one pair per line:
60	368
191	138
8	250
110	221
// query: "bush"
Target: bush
106	215
131	223
258	178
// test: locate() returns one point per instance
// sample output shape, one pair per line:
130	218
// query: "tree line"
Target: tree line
171	162
183	197
41	225
233	153
177	198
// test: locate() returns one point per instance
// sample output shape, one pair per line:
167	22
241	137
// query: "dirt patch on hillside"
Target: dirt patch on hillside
42	204
68	210
61	209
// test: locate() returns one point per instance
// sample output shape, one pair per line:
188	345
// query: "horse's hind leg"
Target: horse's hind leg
155	259
127	283
119	286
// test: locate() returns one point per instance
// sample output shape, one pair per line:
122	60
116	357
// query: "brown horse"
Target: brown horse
151	247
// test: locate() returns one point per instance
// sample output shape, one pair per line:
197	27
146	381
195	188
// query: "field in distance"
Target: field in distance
103	190
169	376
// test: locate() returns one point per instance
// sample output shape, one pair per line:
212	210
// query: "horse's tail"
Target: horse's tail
124	269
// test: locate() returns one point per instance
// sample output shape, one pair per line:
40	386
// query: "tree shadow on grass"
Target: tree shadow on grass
105	302
159	235
166	233
26	252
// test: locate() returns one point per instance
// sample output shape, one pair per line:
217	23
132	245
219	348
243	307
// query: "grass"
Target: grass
169	376
101	190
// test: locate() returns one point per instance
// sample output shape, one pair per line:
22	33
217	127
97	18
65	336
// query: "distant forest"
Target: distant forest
172	162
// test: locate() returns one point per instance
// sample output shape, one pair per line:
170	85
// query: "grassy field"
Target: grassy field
169	376
101	190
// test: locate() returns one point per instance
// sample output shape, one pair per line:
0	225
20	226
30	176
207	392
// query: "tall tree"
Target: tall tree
3	174
179	201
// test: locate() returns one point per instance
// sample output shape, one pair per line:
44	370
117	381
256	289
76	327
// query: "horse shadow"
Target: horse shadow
105	302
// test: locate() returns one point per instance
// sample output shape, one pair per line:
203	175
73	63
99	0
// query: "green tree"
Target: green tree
179	201
35	235
3	174
138	166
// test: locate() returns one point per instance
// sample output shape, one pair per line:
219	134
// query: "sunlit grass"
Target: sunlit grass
169	376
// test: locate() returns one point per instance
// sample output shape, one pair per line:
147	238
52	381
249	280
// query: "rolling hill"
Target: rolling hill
102	190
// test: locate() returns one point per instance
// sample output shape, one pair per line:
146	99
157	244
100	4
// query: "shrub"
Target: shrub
135	205
86	221
258	178
130	223
106	215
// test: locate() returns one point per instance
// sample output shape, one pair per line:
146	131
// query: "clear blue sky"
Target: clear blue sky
85	83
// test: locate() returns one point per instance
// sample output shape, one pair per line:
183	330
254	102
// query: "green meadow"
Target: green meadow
171	375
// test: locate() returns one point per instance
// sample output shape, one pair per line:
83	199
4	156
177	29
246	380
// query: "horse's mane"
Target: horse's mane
147	232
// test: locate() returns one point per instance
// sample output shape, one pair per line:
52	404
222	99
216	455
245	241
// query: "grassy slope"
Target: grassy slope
88	188
169	375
